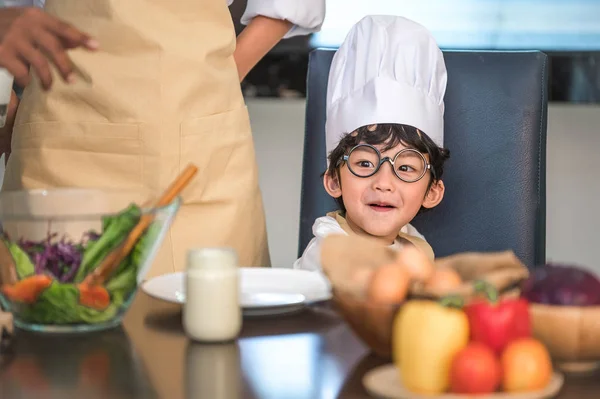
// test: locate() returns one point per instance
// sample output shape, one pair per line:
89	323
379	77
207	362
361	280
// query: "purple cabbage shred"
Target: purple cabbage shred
61	258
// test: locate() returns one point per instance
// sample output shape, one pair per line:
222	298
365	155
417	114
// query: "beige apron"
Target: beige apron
416	241
165	92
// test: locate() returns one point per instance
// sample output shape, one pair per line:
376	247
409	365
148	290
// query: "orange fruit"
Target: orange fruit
444	280
475	370
526	366
389	284
416	263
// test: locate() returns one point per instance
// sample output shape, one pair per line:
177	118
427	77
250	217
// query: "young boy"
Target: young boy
384	134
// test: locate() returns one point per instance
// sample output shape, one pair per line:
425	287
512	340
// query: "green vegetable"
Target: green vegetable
125	281
114	230
59	304
56	305
142	249
23	263
89	315
125	277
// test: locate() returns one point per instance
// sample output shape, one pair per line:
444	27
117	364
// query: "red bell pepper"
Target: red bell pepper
495	322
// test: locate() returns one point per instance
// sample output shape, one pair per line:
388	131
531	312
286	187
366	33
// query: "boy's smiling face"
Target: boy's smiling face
380	205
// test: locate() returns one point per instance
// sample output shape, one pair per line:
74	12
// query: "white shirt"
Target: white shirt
306	15
324	226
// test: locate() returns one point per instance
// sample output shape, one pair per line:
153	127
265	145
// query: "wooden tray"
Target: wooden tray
384	382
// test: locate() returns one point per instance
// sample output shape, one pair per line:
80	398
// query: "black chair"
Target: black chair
495	128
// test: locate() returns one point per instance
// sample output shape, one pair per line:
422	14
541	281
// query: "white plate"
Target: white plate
264	304
263	291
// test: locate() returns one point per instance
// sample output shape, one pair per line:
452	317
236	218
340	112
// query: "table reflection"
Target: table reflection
212	371
290	366
353	386
100	365
304	355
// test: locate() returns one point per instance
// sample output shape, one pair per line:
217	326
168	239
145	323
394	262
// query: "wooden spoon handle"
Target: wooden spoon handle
169	195
114	258
178	185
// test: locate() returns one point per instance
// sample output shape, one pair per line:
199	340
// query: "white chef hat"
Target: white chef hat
388	70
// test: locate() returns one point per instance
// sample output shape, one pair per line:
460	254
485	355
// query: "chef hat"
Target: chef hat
388	70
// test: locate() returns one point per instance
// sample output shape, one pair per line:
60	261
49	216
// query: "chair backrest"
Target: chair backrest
495	129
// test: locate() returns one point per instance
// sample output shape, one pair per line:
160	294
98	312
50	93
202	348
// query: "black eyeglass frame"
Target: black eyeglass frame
392	161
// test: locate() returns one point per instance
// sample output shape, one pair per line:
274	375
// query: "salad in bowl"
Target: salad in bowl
71	259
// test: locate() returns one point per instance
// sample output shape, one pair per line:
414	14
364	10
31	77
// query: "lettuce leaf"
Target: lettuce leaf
115	230
23	263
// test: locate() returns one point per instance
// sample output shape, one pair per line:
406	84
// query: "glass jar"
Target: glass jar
212	311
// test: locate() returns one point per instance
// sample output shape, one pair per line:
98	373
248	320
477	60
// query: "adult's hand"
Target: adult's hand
29	37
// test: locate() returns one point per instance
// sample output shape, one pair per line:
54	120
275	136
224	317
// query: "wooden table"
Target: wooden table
310	355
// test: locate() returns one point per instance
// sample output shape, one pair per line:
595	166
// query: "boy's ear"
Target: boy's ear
434	195
332	185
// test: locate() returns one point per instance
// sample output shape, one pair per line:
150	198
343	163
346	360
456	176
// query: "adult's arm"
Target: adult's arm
269	21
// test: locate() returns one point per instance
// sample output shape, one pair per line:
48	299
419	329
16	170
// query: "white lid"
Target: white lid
202	258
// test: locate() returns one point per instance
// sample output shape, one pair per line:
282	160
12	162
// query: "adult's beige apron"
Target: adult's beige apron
165	92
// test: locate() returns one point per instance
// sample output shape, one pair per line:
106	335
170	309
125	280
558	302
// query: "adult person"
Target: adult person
164	91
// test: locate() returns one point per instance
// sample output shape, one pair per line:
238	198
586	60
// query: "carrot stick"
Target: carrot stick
95	297
27	290
114	258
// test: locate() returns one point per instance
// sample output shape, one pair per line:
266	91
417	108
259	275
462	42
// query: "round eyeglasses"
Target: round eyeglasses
409	165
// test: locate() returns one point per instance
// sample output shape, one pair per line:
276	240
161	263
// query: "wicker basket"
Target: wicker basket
343	256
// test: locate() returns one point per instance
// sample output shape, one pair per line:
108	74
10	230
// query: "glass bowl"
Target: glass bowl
55	238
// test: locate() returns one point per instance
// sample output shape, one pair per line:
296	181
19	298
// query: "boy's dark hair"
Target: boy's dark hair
390	135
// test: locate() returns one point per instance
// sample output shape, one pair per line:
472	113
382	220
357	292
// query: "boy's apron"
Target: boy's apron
416	241
165	92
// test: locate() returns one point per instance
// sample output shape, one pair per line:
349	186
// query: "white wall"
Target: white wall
573	186
573	208
278	128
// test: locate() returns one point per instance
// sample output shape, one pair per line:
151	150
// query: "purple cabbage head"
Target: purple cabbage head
566	285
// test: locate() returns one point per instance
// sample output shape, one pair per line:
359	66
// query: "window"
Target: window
548	25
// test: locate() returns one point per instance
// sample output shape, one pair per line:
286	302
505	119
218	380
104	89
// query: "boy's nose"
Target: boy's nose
384	178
